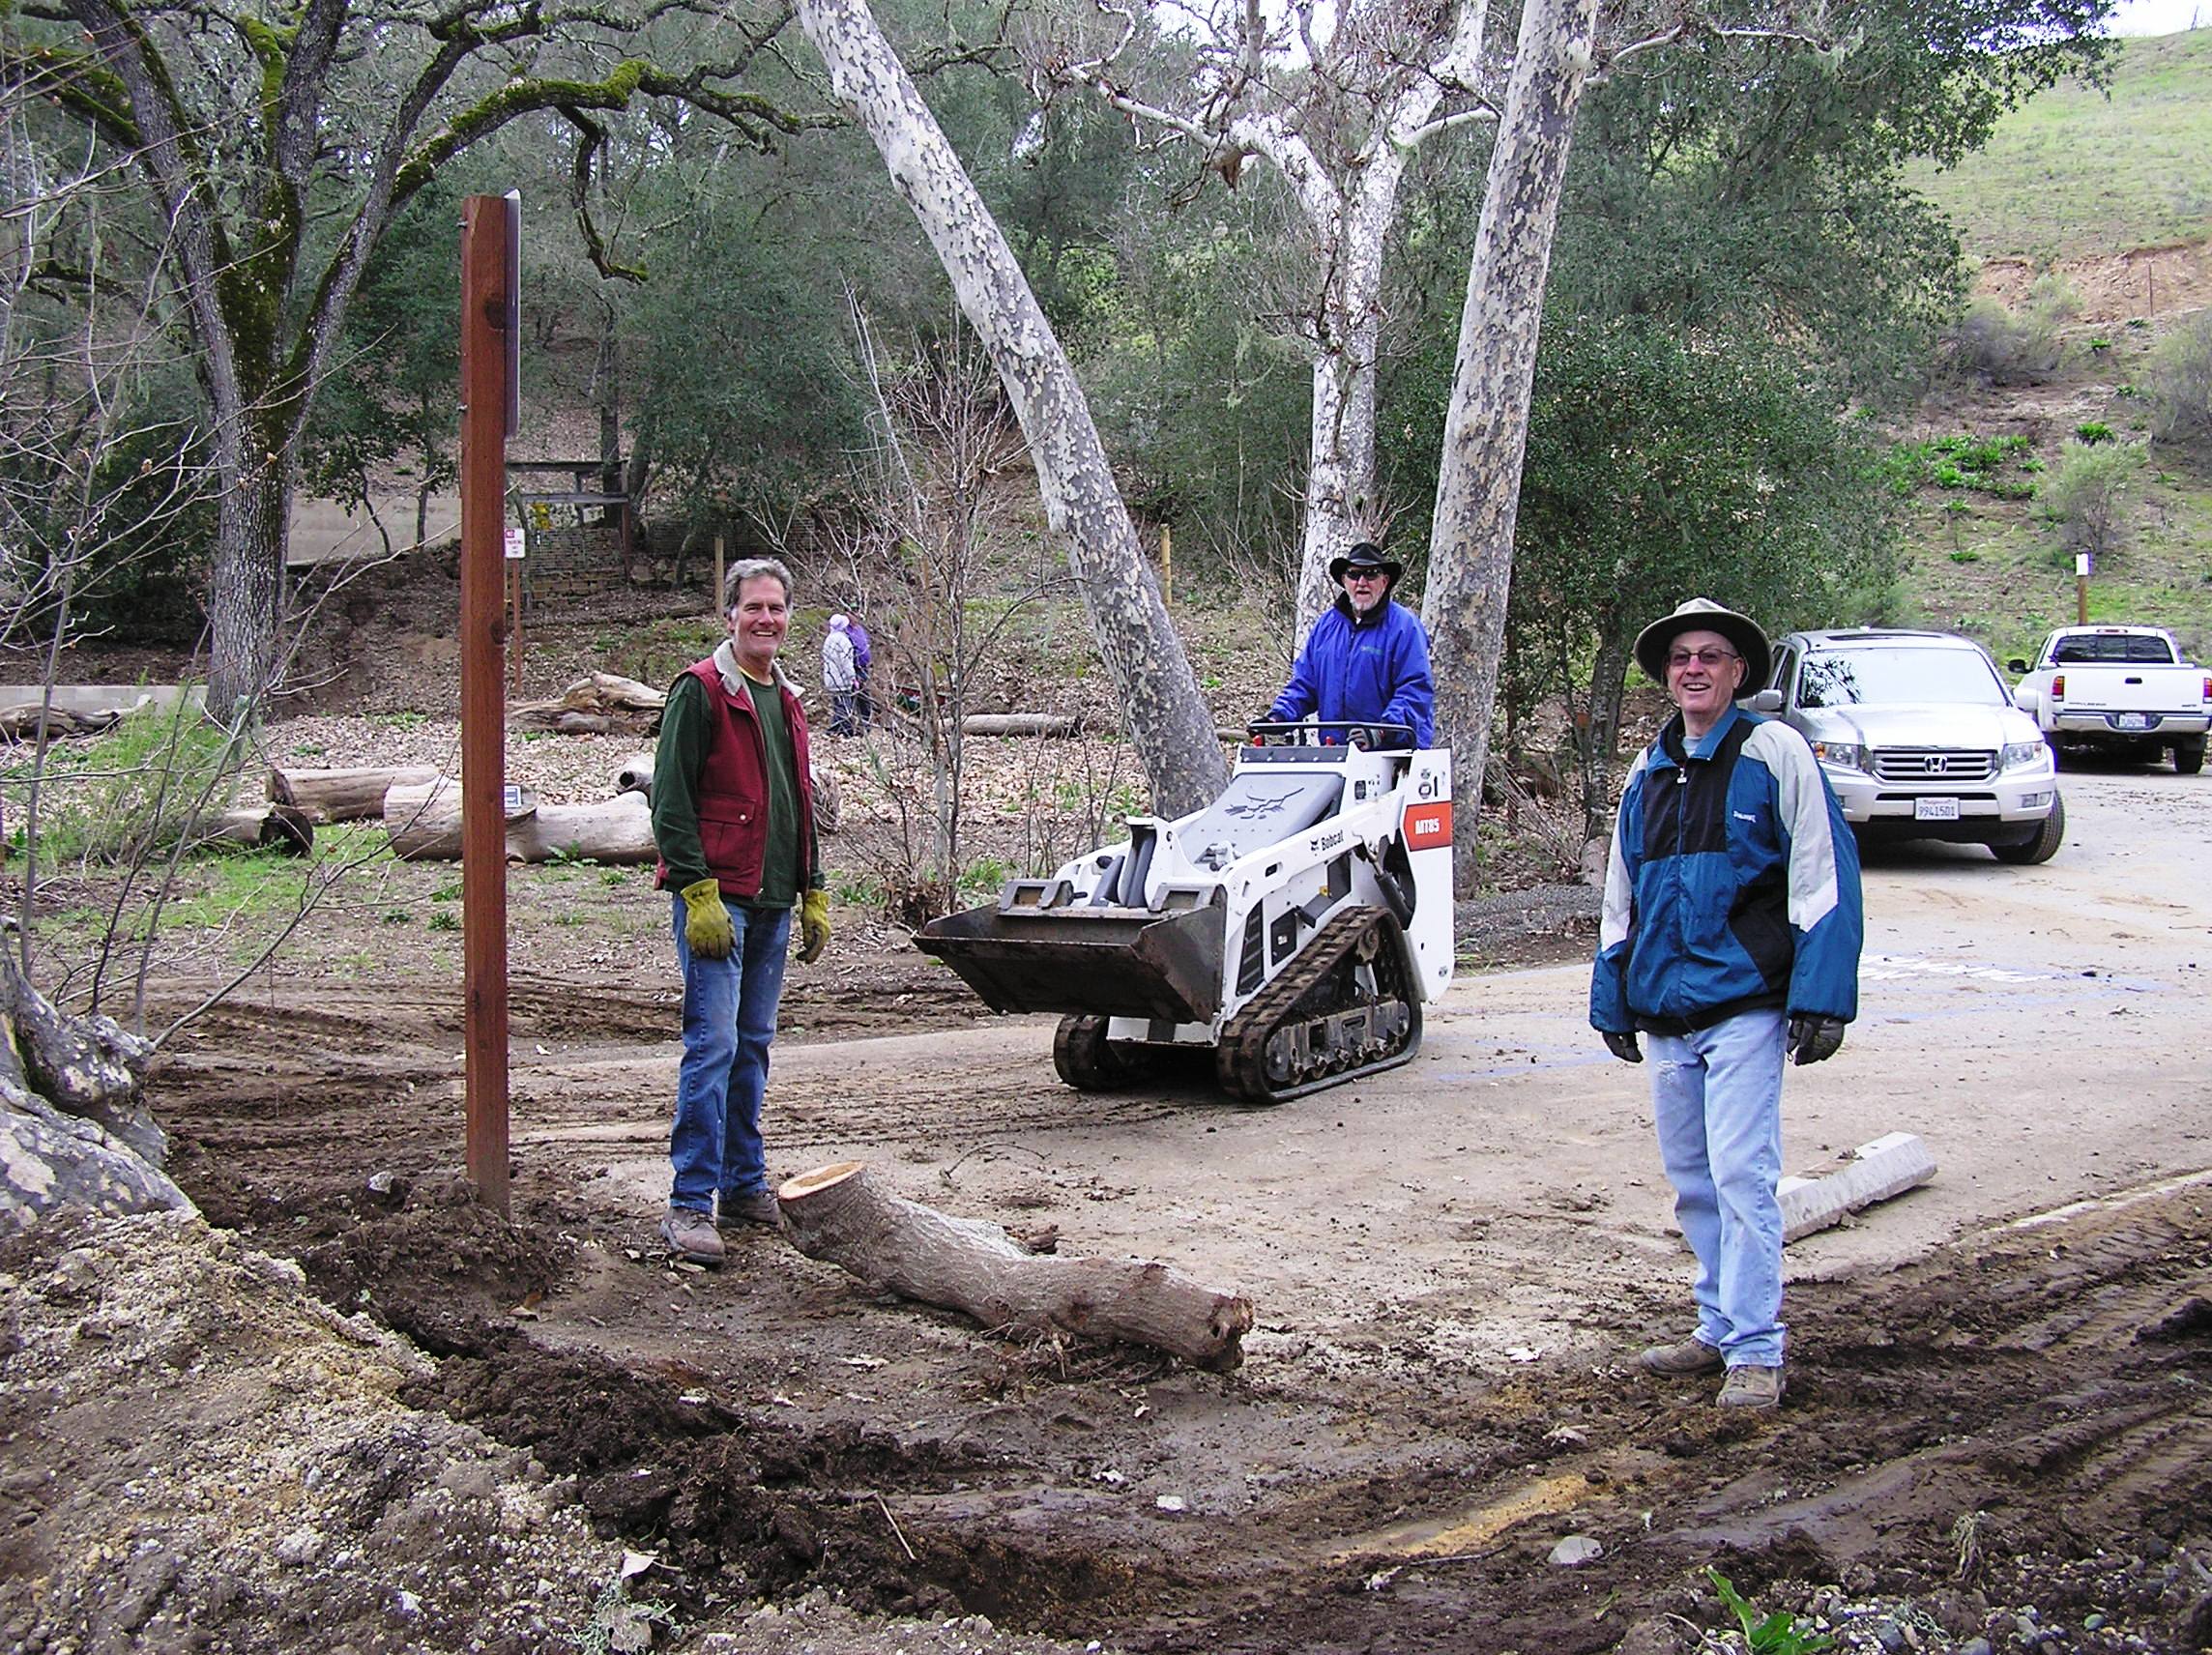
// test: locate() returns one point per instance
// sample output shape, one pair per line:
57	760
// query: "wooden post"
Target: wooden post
2080	588
489	245
717	574
1167	564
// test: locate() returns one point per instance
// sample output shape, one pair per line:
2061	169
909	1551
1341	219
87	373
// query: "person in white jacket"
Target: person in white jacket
841	678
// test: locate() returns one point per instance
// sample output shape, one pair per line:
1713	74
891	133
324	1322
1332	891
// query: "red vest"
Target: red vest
732	792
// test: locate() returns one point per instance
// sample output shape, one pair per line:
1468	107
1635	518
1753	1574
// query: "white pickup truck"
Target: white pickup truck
2124	690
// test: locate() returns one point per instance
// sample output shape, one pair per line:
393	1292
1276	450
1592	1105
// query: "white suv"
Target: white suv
1918	735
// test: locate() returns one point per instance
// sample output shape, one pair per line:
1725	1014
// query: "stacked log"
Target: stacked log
350	795
424	823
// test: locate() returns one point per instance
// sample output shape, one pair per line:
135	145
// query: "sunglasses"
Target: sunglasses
1708	659
1365	574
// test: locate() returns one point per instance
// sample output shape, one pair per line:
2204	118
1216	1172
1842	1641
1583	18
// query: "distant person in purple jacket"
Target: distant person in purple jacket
864	703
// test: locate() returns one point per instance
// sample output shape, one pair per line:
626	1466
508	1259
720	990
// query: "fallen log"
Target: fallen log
349	794
1021	724
840	1214
593	706
263	828
636	776
425	824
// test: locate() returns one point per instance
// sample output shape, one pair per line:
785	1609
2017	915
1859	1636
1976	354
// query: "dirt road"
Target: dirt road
1998	1395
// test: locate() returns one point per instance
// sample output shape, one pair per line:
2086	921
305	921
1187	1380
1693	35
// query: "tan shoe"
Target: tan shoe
691	1236
1679	1361
761	1207
1748	1387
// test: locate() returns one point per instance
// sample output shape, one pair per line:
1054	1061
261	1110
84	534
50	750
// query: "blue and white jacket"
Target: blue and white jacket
1732	885
1372	671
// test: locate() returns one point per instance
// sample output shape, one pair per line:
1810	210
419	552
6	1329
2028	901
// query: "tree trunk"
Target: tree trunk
1478	491
1340	476
1167	718
840	1214
246	587
343	794
75	1131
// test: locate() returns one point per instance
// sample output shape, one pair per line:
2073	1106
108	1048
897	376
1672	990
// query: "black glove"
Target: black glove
1623	1046
1813	1037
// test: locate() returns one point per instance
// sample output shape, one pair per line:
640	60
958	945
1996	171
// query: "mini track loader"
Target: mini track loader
1293	927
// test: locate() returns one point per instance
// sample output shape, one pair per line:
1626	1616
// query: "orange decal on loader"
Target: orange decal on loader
1428	825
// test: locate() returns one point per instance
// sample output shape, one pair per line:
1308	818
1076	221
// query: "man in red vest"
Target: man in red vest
733	814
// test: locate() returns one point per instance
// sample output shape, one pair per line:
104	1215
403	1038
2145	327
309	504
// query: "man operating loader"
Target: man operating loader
1731	936
1365	662
733	814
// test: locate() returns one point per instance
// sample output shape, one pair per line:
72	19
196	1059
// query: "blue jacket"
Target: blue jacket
1733	884
1372	671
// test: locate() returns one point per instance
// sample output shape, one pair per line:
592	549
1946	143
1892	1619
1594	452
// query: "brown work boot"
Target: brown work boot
760	1207
1680	1361
691	1236
1748	1387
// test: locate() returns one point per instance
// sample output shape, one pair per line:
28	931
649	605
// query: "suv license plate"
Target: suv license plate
2130	721
1935	810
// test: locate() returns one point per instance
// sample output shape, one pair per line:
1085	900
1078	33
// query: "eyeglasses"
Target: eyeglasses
1365	574
1708	659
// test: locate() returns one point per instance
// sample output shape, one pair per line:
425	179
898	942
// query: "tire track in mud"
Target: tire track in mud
2045	1397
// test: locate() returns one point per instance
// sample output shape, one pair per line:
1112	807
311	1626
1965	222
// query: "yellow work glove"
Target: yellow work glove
813	926
707	929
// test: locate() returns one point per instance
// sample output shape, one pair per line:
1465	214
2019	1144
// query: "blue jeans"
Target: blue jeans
1716	1095
729	1020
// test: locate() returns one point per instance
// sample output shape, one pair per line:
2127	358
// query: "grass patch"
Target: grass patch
2072	173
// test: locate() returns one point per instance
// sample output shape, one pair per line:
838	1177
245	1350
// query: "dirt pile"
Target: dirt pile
203	1454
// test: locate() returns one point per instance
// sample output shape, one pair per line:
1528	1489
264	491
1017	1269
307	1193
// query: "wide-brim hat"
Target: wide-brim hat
1365	555
1703	615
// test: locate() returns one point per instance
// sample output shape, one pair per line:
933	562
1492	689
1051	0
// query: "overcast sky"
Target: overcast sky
2160	16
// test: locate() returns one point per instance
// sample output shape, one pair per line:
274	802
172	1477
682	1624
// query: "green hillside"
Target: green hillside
2078	173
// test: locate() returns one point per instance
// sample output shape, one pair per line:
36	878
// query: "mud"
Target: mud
1997	1424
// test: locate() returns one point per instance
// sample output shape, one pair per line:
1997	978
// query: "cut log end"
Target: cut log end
820	1178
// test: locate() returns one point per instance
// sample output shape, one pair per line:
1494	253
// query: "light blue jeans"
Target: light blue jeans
729	1020
1716	1095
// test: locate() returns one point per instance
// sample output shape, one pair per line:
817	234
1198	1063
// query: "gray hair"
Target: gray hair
752	569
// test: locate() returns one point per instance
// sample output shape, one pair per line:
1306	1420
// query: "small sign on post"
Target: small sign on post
2080	588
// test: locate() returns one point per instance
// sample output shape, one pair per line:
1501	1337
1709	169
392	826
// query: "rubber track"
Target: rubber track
1242	1062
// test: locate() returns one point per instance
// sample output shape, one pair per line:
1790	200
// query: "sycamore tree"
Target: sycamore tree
273	143
1167	719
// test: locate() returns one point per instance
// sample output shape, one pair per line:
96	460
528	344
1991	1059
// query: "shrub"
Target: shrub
2093	432
2178	385
1993	344
2088	493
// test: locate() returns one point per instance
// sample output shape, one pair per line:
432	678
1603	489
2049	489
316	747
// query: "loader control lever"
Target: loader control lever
1328	733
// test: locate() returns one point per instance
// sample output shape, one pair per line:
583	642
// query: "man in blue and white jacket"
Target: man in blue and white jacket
1365	662
1730	936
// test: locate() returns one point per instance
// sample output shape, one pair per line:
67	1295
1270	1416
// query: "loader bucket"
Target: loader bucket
1106	962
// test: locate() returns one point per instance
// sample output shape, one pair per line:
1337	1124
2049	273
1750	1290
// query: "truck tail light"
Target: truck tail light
2209	687
2059	688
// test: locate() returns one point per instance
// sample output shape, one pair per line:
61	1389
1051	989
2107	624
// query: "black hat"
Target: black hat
1366	555
1703	615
